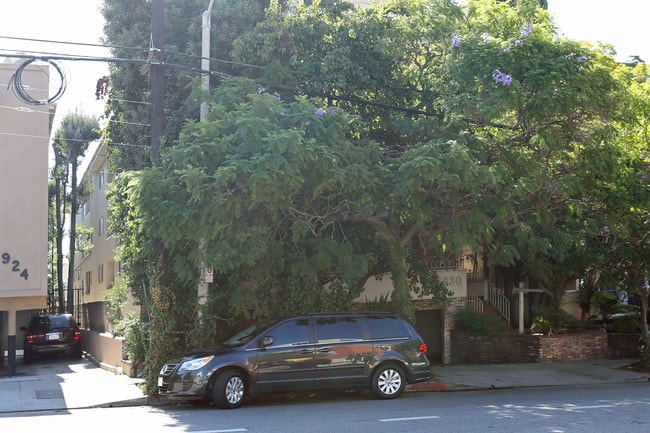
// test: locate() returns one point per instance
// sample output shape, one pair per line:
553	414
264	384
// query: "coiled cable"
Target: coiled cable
20	90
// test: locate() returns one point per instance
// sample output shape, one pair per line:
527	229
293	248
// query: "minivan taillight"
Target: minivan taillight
422	349
30	338
77	334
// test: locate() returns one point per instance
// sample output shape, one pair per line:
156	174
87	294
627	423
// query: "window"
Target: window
88	281
387	327
100	273
101	226
338	329
292	333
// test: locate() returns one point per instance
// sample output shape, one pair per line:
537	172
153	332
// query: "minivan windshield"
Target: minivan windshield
249	333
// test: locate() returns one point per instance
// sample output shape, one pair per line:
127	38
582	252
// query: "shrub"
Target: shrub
136	338
477	323
549	321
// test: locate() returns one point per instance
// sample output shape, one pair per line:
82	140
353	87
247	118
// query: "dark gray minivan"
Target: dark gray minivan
344	350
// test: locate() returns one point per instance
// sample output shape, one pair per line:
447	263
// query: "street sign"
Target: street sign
209	275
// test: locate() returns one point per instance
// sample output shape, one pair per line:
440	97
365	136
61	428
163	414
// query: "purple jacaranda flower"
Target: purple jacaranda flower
519	42
455	40
319	112
506	49
581	59
486	37
525	30
501	78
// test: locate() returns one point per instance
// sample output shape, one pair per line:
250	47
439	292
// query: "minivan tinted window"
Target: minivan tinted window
249	333
337	329
387	327
292	333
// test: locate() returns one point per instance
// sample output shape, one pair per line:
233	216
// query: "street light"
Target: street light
205	57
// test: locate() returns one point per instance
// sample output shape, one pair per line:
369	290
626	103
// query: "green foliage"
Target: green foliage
478	323
84	239
380	303
550	321
136	337
609	304
369	129
115	300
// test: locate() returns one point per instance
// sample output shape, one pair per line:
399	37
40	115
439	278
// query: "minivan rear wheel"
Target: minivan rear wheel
388	381
229	390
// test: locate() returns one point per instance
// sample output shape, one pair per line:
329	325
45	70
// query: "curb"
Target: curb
426	386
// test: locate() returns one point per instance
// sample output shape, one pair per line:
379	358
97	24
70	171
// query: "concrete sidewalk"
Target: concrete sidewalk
63	384
499	376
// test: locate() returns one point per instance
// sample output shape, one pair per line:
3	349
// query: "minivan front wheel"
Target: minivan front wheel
388	381
229	390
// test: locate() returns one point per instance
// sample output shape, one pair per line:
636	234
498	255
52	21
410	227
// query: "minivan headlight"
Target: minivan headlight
195	364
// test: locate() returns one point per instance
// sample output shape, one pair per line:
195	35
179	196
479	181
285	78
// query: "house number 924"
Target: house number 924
14	264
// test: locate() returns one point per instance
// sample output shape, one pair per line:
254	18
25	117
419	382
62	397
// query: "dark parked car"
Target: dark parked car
52	334
356	350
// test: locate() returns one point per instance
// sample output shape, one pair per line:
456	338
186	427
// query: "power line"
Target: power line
82	44
123	47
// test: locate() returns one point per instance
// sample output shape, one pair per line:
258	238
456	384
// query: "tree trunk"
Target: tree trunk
73	229
401	296
58	187
644	293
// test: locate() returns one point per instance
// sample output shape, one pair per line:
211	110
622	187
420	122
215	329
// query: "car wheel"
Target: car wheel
229	390
388	381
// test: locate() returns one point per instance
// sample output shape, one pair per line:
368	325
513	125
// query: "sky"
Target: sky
59	20
623	23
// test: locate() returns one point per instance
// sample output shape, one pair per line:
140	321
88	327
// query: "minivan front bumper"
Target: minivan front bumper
185	385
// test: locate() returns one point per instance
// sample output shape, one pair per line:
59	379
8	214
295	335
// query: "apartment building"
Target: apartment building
95	270
24	142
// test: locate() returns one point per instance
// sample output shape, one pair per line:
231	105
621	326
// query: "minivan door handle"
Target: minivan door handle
306	351
325	350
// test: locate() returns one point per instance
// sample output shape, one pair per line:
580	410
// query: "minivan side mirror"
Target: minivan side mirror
265	341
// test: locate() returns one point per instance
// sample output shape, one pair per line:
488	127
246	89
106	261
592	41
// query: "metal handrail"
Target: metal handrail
475	303
499	301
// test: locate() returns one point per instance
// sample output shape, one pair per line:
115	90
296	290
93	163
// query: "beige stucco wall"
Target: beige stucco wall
24	142
375	288
97	271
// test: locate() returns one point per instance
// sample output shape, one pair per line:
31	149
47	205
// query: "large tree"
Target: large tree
426	127
623	241
70	143
528	116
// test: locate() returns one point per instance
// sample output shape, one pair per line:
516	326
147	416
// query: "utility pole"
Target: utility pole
206	274
157	77
206	24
